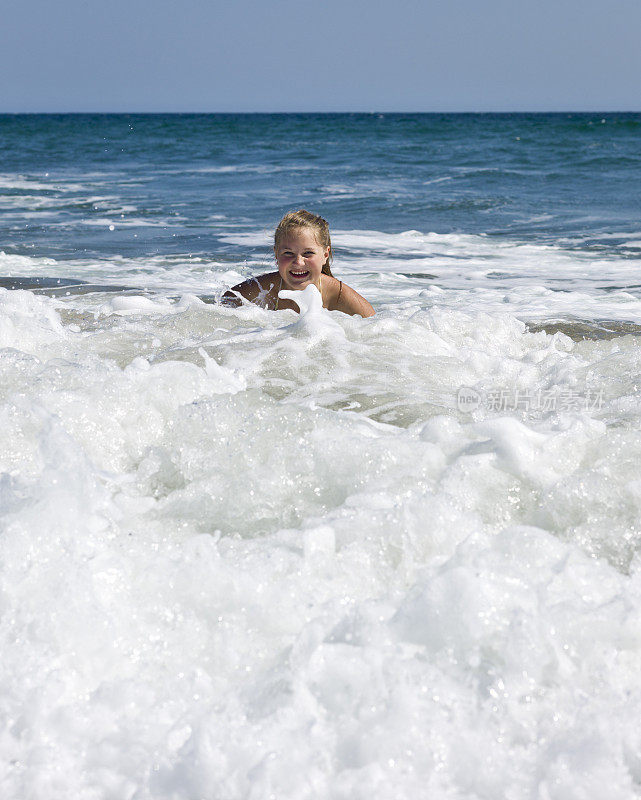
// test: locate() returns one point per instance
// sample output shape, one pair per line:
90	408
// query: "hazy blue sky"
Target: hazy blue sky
296	55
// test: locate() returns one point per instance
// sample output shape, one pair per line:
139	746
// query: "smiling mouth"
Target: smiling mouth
298	275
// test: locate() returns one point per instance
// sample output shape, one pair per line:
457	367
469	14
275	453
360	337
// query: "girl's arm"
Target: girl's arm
248	290
351	302
256	290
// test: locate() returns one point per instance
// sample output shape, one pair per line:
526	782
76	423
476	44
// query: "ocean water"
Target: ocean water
251	554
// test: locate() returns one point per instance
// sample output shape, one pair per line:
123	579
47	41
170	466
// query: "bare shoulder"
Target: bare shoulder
261	290
349	301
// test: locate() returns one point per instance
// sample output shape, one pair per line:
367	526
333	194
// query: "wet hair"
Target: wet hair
305	219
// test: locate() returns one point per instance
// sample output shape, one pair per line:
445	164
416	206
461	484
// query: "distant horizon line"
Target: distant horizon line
292	113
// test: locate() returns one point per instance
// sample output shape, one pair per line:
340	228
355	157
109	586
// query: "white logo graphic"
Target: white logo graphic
467	399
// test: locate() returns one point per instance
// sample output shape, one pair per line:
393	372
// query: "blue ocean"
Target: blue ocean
249	554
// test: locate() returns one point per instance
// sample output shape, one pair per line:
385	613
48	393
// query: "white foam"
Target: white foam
534	281
28	183
20	182
164	274
130	304
213	584
247	553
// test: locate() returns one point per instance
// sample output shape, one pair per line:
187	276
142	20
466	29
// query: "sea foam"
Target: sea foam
242	559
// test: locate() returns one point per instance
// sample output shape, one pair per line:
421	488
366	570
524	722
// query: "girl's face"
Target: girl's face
300	258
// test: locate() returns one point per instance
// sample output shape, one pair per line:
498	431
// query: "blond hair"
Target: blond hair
305	219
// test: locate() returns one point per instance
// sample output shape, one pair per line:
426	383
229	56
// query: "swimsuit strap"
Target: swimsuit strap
340	289
277	297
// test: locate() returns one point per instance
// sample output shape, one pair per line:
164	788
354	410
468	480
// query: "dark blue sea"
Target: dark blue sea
182	185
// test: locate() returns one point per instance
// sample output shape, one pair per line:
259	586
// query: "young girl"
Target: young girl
303	251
